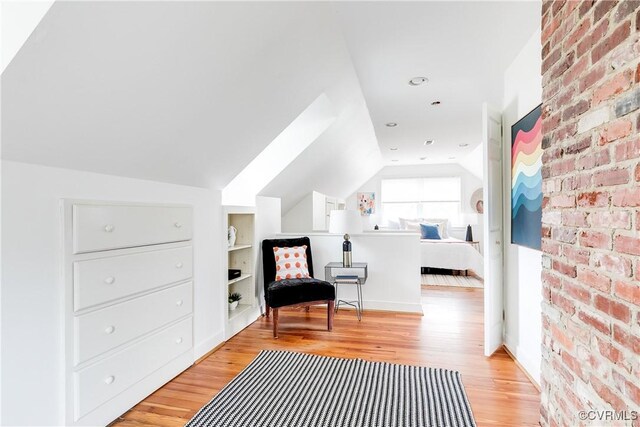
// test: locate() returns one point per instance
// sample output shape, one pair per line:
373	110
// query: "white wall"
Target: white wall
32	289
523	268
268	225
469	182
394	273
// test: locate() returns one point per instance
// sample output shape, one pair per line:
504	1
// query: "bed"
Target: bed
451	253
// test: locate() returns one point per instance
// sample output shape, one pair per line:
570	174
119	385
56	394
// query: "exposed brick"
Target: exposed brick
615	130
613	40
601	9
628	340
626	387
562	200
578	292
625	9
628	291
626	150
574	218
595	322
626	197
566	235
594	159
589	41
613	264
612	308
615	85
579	146
609	219
595	239
628	103
593	199
575	110
577	34
627	245
592	77
593	119
559	335
551	60
605	392
585	6
563	303
563	268
591	213
594	280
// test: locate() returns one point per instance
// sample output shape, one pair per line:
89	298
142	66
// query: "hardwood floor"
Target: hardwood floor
449	335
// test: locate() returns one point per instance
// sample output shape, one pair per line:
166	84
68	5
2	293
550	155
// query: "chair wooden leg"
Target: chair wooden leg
330	304
275	323
267	310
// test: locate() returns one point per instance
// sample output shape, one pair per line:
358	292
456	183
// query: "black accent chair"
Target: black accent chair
293	292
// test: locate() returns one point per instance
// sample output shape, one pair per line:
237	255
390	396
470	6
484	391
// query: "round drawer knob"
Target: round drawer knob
110	329
109	280
179	302
109	228
179	341
177	224
110	379
179	265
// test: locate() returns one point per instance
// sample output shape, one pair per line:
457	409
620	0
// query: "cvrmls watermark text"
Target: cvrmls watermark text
608	415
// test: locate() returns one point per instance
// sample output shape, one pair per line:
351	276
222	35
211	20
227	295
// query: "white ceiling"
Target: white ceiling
192	92
182	92
462	47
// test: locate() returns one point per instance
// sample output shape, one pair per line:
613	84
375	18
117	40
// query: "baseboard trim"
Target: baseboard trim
209	345
524	371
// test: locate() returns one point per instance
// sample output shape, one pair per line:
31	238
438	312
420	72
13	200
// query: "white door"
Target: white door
493	259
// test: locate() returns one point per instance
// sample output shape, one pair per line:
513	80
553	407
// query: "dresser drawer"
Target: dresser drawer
101	280
102	227
104	329
102	381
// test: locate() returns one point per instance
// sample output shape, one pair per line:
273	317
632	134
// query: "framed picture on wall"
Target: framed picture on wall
367	203
526	180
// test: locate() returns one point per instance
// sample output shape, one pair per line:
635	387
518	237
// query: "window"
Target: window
421	198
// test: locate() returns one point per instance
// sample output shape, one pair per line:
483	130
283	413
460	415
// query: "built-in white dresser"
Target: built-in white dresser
128	306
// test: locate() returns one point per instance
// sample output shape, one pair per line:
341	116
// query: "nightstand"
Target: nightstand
357	274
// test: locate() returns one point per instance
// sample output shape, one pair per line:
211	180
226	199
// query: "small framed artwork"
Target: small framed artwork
526	180
367	203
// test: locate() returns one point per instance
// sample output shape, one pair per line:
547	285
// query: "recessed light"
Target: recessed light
436	103
463	145
423	158
393	148
417	81
391	124
394	160
429	141
451	158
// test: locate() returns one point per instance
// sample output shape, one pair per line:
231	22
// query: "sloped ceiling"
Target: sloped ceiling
184	92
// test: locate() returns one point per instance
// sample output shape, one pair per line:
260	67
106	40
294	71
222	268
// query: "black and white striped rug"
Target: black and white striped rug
287	389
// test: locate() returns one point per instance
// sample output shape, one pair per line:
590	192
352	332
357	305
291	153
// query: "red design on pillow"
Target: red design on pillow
287	269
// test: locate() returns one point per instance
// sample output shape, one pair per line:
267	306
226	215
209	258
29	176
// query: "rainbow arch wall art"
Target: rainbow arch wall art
526	180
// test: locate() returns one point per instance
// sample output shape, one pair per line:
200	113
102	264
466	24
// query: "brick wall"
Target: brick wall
591	209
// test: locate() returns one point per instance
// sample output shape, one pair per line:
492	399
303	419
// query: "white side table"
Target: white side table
357	274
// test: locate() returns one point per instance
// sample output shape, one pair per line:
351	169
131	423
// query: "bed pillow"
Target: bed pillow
429	231
442	223
291	263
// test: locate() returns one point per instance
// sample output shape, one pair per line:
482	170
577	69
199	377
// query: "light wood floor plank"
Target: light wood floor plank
449	335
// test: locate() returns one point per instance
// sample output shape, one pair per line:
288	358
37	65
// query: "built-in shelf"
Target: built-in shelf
237	279
238	247
241	308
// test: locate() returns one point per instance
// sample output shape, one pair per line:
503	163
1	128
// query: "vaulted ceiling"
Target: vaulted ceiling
191	92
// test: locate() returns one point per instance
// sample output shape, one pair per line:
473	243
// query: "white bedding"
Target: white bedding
451	253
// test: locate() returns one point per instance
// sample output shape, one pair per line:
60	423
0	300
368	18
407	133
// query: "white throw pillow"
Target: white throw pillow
291	263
